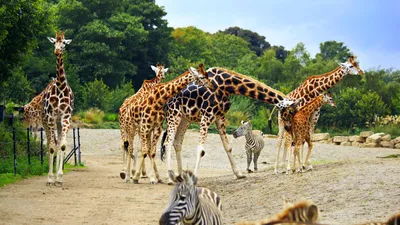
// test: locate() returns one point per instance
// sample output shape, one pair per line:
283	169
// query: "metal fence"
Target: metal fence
40	149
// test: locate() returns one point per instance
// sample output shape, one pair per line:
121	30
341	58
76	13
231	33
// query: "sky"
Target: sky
370	28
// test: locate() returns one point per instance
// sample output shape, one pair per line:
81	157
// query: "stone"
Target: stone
397	146
356	144
375	138
340	139
346	143
396	140
320	137
387	144
356	138
325	142
371	145
386	137
366	134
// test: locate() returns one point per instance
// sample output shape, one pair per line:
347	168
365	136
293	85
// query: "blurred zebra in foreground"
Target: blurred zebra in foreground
189	204
254	142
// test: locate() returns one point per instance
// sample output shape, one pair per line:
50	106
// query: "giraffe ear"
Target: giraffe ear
52	40
67	41
342	64
154	68
165	70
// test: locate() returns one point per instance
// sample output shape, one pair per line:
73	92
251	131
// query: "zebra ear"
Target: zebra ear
174	178
242	122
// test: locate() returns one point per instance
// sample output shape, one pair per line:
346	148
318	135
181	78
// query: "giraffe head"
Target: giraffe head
159	70
59	43
243	129
351	67
288	112
200	76
328	99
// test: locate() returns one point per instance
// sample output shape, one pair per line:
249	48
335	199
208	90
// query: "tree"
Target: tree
271	68
333	50
256	42
21	24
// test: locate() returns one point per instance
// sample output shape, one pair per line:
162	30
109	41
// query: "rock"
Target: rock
320	137
370	145
397	146
340	139
356	138
366	134
356	144
396	140
375	138
387	144
325	142
386	137
346	143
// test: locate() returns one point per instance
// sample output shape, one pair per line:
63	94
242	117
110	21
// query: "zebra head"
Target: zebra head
243	129
183	199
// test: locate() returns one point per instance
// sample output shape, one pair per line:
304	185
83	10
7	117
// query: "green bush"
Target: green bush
110	117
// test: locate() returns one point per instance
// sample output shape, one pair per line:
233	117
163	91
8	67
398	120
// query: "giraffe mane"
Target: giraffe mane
323	75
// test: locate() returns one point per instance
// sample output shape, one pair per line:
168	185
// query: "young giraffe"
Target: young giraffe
33	110
300	129
309	89
58	105
200	104
126	123
148	116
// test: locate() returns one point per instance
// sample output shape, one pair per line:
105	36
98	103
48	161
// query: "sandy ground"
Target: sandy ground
350	185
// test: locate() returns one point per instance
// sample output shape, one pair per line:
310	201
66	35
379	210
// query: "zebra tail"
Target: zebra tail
162	150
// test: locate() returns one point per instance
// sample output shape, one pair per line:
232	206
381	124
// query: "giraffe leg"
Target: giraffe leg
180	134
204	125
173	124
220	123
64	126
156	137
249	158
144	142
49	130
310	146
288	167
286	147
279	143
256	155
125	174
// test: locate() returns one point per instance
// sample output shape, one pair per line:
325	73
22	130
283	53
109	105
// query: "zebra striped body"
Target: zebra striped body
304	212
189	204
254	142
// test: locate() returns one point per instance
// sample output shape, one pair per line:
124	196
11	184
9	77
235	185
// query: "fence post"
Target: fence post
41	145
79	147
15	151
73	134
29	146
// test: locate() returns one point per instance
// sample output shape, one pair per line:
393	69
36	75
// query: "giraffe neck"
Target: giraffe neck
228	83
313	105
61	76
316	85
171	88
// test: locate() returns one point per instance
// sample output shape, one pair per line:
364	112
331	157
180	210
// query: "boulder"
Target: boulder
386	137
346	143
320	137
326	141
397	146
356	144
370	145
340	139
366	134
375	138
387	144
396	140
356	138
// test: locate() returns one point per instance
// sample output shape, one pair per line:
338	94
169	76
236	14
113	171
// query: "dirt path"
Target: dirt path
350	185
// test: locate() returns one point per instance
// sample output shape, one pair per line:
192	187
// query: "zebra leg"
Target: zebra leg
256	155
279	142
249	158
220	123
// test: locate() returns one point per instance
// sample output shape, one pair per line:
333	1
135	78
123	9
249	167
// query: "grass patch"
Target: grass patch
394	156
68	167
9	178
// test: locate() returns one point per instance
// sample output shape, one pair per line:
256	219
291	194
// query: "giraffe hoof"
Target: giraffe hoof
135	181
170	183
152	182
144	176
240	176
122	174
126	181
249	171
49	184
160	182
58	183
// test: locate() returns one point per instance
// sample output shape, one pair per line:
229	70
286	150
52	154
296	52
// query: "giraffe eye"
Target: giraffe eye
351	66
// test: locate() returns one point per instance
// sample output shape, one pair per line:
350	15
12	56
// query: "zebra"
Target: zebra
254	142
189	204
303	212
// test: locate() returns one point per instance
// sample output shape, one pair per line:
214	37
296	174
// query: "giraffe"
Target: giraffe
126	122
309	89
33	110
300	129
197	103
148	116
58	105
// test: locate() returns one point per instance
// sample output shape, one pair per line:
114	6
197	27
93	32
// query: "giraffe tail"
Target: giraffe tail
162	150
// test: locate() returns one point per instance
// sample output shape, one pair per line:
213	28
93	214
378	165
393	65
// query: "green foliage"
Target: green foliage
96	94
110	117
333	50
93	116
255	41
119	94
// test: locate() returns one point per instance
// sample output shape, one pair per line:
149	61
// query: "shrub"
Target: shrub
93	116
110	117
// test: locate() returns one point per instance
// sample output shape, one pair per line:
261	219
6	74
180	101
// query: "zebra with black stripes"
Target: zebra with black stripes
189	204
254	142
